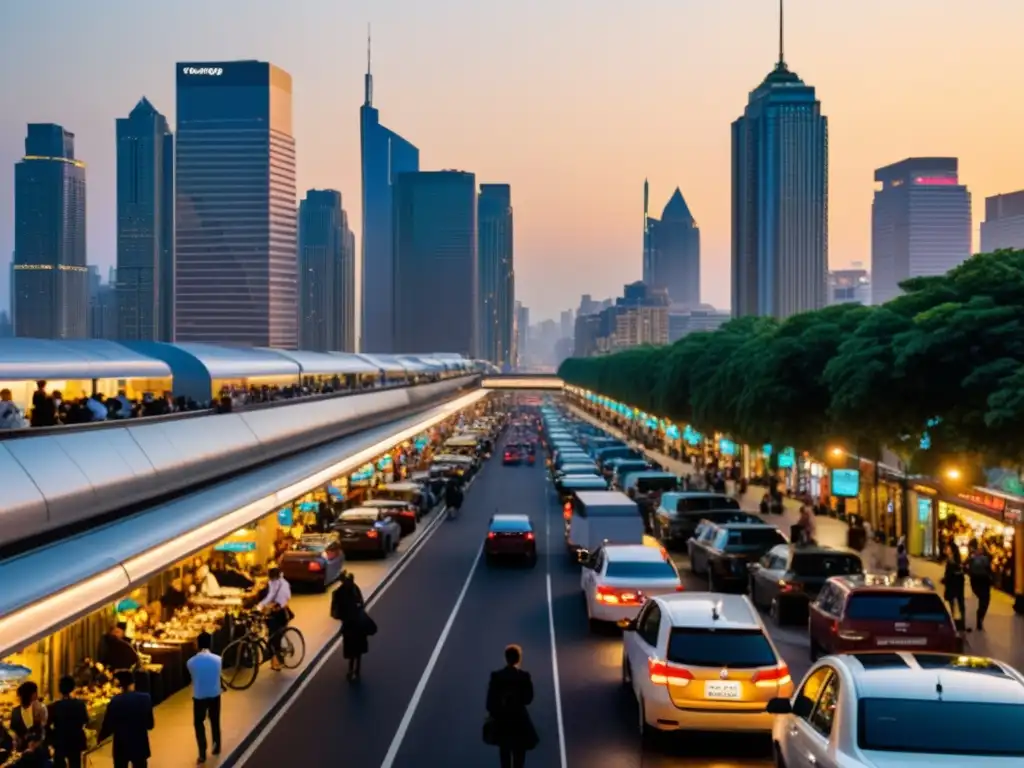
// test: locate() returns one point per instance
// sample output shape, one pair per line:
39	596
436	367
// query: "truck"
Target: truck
602	516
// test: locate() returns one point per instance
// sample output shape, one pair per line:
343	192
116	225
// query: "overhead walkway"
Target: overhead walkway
522	381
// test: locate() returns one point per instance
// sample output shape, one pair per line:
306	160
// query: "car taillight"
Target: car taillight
769	678
613	596
315	566
663	673
529	536
371	534
492	535
407	513
789	586
567	511
853	637
679	587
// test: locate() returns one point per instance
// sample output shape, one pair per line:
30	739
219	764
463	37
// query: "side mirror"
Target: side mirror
583	557
753	567
802	707
631	626
779	707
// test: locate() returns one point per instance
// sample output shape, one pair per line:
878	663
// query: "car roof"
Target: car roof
710	610
633	553
910	675
377	503
815	549
361	511
401	486
881	582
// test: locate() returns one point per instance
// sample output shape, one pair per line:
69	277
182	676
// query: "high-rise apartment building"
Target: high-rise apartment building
145	226
672	251
1003	226
522	333
50	283
436	269
920	223
385	155
326	274
780	199
497	276
104	322
849	286
235	215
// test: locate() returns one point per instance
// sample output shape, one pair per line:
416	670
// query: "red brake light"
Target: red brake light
567	510
371	534
770	677
663	673
408	513
679	587
529	535
492	535
615	596
315	566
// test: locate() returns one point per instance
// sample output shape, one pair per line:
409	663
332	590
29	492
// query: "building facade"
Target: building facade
920	223
684	321
436	268
846	286
1004	222
384	155
673	251
50	281
235	215
326	274
780	199
497	274
145	226
104	319
522	334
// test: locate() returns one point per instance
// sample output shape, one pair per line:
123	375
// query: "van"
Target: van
640	485
680	512
602	516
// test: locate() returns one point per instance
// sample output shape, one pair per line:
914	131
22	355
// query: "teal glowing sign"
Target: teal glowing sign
727	447
692	436
787	458
238	546
285	518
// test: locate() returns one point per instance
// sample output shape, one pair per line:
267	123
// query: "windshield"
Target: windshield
703	503
640	570
825	564
742	649
510	526
896	606
310	546
761	538
941	727
359	519
648	484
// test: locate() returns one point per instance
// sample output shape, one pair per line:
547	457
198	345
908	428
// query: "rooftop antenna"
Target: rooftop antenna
782	27
368	80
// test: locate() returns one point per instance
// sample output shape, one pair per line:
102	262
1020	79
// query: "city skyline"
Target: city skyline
875	119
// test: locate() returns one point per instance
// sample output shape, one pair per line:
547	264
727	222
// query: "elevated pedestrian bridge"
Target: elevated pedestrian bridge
522	381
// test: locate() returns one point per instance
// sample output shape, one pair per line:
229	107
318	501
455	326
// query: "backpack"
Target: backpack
979	565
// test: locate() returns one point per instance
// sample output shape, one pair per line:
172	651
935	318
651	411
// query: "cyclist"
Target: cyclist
453	497
275	606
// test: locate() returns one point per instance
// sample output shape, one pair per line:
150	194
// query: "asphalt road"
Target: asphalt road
443	624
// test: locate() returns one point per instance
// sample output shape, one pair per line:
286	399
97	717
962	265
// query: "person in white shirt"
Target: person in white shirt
275	605
205	668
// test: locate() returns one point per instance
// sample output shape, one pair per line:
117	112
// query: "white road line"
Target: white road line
554	670
410	711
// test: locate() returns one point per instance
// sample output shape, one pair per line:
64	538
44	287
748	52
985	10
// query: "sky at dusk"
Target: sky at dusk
573	103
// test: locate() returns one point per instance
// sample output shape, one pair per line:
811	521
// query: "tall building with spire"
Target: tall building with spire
384	156
672	250
780	197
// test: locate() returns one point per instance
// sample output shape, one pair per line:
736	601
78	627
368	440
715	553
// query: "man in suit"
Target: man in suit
129	719
509	693
66	721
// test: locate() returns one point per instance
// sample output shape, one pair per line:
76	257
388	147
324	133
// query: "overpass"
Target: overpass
524	381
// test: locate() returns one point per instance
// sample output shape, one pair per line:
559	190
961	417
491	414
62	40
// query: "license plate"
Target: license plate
901	641
721	689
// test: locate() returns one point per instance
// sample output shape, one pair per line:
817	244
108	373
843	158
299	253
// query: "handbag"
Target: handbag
369	625
490	731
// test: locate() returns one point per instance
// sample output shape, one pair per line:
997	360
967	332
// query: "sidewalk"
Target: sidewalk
1003	637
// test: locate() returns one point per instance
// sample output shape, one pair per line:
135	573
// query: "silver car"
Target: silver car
902	710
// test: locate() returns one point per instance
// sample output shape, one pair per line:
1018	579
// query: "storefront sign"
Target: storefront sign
993	503
236	546
845	483
727	447
924	489
787	458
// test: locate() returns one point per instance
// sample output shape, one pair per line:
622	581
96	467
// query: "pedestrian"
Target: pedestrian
28	719
508	726
979	571
66	721
129	719
807	526
953	581
765	505
356	624
204	668
902	560
275	605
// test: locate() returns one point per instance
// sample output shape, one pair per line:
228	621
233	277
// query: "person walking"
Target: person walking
453	497
204	668
509	727
28	719
275	605
954	584
979	571
129	719
66	720
347	606
902	560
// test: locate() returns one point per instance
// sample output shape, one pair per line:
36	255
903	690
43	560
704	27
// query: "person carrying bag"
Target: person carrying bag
507	725
357	627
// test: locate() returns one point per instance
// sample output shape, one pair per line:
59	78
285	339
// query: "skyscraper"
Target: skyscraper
51	285
385	154
103	305
780	198
920	223
497	276
436	275
145	226
522	334
235	217
1003	226
673	251
326	274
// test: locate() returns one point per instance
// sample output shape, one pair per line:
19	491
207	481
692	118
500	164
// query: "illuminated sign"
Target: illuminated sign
236	546
201	71
935	181
993	503
845	483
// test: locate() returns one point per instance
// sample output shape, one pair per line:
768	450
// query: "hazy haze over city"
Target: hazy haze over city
572	103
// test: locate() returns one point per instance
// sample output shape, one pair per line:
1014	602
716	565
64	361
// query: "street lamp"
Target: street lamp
954	474
837	452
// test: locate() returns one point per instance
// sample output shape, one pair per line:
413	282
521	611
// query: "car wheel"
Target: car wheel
531	561
776	612
627	677
646	731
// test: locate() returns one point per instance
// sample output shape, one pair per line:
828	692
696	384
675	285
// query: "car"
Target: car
679	513
617	578
902	709
702	661
405	513
723	551
510	537
879	612
416	490
368	529
315	559
787	579
513	456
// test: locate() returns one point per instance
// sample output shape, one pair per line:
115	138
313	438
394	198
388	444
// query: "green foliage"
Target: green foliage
950	348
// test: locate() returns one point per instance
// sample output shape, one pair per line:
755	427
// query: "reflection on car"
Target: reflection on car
788	578
723	551
314	559
368	529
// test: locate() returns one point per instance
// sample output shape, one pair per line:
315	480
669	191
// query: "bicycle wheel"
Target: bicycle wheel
293	647
240	664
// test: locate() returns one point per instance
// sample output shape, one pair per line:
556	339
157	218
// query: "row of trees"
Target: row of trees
943	362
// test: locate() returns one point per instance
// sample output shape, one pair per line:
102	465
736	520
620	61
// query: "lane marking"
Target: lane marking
414	702
555	675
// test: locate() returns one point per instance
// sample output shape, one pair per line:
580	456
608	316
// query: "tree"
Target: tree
673	396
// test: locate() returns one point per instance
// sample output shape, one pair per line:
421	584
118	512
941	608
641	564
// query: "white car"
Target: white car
618	578
702	661
902	710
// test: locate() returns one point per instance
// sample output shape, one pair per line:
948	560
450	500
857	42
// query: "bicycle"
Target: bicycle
243	656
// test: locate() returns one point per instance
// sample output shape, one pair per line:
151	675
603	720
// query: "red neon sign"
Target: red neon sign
935	181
